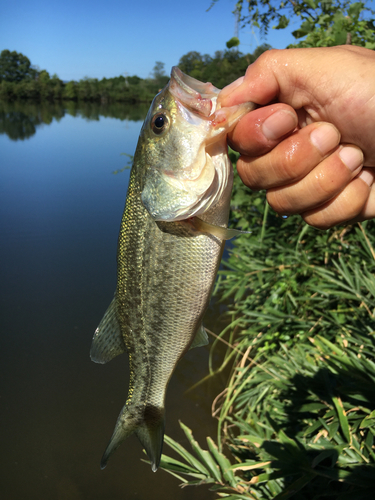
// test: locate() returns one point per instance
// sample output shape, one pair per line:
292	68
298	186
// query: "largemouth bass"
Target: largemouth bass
169	249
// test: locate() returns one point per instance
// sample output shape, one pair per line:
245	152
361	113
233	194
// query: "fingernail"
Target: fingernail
279	124
367	177
230	88
325	137
352	157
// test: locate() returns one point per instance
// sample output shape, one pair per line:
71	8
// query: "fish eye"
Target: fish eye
159	123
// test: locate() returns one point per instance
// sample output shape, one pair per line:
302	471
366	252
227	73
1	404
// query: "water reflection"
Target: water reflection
60	213
19	120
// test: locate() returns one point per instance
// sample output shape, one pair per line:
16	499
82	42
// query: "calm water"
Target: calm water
60	212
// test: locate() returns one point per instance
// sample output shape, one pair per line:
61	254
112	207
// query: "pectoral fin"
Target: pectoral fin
107	342
224	233
200	338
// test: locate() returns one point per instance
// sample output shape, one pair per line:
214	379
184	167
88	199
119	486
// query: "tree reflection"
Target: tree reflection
19	120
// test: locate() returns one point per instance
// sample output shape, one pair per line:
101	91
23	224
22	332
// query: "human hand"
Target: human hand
316	170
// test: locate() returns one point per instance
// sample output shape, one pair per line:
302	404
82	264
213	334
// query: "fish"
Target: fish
170	244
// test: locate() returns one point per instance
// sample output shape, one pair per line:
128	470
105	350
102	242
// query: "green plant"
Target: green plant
297	417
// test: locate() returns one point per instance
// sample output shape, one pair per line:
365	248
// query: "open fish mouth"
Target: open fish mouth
198	96
192	169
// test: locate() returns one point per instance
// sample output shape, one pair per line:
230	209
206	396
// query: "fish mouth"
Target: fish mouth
198	96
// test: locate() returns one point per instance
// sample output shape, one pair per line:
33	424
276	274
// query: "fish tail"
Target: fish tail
148	427
151	434
125	427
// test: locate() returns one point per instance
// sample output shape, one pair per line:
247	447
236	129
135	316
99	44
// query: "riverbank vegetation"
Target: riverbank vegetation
297	418
20	81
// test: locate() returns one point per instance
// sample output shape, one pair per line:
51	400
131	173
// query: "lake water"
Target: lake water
60	213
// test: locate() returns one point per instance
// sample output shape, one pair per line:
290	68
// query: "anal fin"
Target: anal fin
107	342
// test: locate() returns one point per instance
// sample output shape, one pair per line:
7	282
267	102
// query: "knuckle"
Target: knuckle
280	203
289	163
266	59
358	196
248	174
327	182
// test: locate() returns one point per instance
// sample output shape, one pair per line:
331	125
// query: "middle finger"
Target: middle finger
320	185
291	159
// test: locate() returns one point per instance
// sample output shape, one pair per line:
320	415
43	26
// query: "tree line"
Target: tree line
20	80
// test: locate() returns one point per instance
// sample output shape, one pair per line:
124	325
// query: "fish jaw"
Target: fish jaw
188	168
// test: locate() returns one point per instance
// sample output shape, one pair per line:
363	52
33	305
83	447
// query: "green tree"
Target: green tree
192	61
15	67
7	91
159	76
158	71
70	90
43	76
334	26
221	69
134	80
323	22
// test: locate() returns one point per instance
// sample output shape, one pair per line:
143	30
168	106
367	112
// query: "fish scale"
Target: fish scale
154	300
165	267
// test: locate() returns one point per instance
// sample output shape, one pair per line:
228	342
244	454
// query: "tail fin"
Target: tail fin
151	434
125	427
148	427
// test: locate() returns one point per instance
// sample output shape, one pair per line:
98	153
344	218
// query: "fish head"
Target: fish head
184	149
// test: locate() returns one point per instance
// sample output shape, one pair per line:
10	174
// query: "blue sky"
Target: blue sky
97	39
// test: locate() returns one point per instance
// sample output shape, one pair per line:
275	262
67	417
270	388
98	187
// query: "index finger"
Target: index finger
261	130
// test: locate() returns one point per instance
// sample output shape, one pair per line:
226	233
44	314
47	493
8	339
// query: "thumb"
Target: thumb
250	87
277	75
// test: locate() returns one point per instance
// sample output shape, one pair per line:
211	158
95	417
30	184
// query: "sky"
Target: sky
106	38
